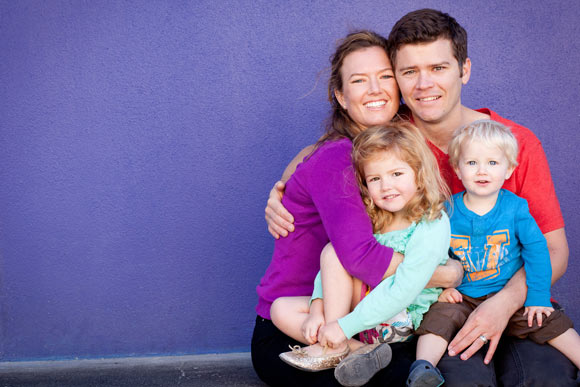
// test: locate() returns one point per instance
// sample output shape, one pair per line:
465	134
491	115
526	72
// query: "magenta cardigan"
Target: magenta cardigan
324	199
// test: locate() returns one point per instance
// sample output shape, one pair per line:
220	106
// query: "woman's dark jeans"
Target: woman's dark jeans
516	363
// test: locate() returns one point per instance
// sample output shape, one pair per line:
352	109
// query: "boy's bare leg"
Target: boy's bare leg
431	347
569	344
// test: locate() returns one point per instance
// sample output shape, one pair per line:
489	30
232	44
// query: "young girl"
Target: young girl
404	194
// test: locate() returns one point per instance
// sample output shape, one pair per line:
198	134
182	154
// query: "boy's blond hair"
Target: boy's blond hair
490	133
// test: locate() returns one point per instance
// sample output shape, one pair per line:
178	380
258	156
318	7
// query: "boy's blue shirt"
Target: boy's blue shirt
494	246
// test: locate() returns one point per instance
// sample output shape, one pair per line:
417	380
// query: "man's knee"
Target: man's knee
521	362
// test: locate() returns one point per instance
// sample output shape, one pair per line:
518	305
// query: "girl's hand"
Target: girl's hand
311	326
331	335
450	295
537	311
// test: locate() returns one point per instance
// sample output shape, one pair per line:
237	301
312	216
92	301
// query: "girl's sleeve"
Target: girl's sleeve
317	292
536	257
427	247
333	189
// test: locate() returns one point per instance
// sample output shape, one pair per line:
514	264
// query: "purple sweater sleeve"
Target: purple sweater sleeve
332	186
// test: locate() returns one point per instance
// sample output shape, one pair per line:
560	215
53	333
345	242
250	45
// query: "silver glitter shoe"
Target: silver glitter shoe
300	359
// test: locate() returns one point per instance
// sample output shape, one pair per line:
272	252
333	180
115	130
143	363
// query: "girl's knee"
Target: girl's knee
277	310
328	254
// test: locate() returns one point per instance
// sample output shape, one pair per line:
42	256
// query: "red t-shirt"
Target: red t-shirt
531	179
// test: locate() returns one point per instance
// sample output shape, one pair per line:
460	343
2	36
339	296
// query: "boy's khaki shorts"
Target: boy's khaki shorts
445	319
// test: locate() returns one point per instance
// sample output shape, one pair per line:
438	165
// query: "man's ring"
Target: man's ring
484	339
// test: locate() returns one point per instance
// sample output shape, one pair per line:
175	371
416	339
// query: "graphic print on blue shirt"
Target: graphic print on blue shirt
481	264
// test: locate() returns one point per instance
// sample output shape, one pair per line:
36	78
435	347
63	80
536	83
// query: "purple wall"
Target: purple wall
139	140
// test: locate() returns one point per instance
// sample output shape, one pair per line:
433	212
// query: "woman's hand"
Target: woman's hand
278	218
537	311
331	335
450	295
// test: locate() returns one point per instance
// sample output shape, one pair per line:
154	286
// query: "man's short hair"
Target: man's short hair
427	25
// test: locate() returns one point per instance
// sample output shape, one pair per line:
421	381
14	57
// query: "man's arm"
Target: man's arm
295	161
447	276
491	317
279	220
558	246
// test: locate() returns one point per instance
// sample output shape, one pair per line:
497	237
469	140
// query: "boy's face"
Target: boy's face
482	168
429	78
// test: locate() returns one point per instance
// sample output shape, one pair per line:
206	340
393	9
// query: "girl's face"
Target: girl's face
369	92
390	182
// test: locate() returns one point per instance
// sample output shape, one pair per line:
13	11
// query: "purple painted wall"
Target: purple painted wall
139	140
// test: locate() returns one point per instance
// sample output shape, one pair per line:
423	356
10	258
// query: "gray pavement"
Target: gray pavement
234	369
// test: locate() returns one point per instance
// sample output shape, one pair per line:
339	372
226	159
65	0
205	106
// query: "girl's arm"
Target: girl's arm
426	249
317	292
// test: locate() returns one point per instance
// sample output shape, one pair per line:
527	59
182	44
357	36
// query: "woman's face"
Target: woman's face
369	92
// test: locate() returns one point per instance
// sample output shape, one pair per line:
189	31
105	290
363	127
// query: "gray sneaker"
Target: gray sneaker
361	365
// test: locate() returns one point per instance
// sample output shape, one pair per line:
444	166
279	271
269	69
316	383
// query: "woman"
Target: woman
324	198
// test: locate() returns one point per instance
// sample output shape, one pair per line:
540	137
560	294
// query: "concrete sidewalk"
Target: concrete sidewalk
234	369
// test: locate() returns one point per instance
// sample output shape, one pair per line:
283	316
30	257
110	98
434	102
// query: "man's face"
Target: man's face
429	78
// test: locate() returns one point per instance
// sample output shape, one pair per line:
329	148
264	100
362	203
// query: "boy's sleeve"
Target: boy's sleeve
536	257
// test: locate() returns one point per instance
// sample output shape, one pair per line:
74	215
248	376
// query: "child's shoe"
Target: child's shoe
424	374
300	359
361	365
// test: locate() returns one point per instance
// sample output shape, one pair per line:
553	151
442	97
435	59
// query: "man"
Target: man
428	50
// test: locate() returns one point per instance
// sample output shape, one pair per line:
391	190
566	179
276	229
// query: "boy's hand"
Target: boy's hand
537	311
450	295
311	326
